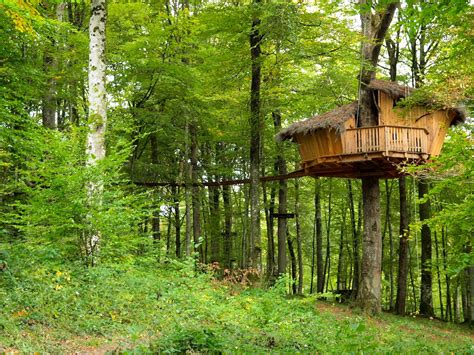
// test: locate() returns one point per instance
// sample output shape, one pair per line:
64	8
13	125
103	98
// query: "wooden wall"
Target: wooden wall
435	122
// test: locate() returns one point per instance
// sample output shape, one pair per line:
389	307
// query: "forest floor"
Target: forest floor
171	308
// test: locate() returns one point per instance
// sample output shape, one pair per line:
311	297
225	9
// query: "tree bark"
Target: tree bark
402	249
177	221
426	294
374	29
355	241
227	198
256	127
293	265
214	222
341	268
196	193
327	261
319	238
95	141
155	218
299	247
282	203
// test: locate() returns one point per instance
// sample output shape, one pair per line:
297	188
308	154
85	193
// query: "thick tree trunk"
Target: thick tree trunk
95	141
403	249
368	295
374	29
426	295
256	127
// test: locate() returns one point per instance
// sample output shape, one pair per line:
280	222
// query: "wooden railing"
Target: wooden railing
385	139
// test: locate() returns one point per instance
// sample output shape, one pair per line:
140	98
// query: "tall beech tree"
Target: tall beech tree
375	20
256	127
97	98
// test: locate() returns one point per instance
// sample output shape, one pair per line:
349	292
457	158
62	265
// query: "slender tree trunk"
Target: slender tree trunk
95	141
269	211
226	196
341	269
282	203
177	220
256	128
299	247
438	274
355	241
449	313
196	193
168	232
426	296
293	265
319	238
327	262
155	218
214	222
402	249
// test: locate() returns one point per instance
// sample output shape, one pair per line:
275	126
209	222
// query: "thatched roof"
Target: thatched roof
336	118
391	88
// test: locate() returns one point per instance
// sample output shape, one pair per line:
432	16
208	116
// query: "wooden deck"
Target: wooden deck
373	151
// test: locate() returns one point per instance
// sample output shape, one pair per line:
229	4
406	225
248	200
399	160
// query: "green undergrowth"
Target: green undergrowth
170	307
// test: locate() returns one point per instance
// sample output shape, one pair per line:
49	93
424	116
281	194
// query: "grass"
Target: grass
171	308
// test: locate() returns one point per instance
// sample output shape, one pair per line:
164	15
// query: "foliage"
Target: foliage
171	308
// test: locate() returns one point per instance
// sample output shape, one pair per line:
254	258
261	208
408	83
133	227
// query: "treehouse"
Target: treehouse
332	144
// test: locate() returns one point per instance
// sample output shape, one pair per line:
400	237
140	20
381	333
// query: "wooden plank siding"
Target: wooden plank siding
402	136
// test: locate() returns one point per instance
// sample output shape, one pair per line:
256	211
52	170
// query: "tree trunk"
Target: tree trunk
355	241
177	220
341	269
449	313
214	222
256	128
319	238
299	247
426	295
368	295
155	218
293	265
95	141
388	223
327	262
438	274
269	211
403	249
282	202
374	29
196	193
226	196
